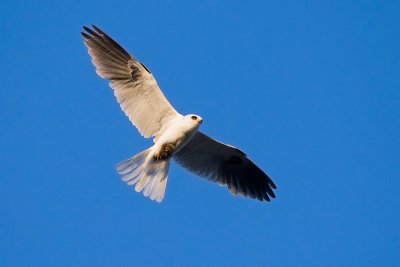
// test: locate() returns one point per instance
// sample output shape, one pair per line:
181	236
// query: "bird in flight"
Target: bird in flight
175	136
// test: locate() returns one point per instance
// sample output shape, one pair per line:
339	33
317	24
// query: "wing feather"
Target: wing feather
225	165
134	86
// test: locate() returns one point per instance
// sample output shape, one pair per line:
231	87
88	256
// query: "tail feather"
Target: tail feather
146	174
155	185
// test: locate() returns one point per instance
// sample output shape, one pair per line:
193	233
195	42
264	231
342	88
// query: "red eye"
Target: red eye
194	117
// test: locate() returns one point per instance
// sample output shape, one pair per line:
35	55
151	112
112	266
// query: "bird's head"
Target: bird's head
193	118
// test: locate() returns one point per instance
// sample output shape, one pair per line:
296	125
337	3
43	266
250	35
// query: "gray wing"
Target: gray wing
225	165
134	86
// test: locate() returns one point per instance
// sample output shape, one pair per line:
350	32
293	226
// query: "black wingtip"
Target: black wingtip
90	31
272	184
85	35
97	29
86	28
91	25
272	194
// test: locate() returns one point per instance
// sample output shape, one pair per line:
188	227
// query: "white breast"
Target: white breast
179	133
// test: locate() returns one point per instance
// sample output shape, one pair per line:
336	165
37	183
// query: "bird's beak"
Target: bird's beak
200	120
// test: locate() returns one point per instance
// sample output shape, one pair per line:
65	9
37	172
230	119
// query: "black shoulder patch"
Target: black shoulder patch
145	67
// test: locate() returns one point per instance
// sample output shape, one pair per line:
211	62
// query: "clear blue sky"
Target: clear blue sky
310	90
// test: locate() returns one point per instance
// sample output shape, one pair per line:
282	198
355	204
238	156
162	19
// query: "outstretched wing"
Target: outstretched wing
225	165
134	86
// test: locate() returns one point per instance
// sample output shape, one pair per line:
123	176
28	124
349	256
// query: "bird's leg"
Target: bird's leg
165	151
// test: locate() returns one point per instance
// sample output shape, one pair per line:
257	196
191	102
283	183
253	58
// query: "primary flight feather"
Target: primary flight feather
175	136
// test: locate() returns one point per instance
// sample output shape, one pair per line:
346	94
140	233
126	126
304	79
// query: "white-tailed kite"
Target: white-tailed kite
175	136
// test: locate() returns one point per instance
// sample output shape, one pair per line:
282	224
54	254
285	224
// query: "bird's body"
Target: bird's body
175	136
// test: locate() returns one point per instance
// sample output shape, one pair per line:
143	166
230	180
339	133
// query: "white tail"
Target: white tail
148	174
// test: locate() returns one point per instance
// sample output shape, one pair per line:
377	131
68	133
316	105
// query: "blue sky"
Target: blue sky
309	89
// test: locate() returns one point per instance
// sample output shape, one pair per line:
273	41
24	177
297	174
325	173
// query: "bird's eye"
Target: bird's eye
194	117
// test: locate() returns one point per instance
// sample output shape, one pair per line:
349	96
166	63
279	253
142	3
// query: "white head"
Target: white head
194	119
